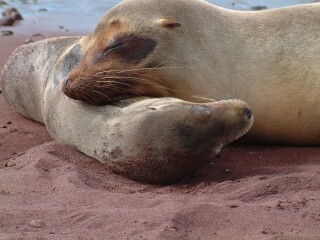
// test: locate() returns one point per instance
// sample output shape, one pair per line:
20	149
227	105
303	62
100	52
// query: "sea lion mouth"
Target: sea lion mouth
108	86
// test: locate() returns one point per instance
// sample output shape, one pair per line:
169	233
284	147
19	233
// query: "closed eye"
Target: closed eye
114	45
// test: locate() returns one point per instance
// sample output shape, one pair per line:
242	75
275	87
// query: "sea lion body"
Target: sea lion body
148	139
266	58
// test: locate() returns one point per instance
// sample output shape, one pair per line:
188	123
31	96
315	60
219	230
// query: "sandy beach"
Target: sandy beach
50	191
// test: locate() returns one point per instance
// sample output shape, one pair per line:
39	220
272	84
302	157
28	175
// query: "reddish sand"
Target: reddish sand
51	191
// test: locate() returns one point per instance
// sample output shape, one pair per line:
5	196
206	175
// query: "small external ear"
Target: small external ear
169	23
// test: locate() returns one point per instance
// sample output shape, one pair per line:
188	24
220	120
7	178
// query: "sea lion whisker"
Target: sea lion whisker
155	84
100	93
160	64
204	98
116	77
117	82
134	78
112	77
136	69
85	94
87	97
145	75
150	68
231	95
151	83
120	90
84	90
221	96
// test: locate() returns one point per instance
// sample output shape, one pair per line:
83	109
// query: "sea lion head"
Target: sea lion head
174	137
129	53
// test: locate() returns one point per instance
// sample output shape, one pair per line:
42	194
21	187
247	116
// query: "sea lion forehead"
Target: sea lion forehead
109	24
139	14
135	10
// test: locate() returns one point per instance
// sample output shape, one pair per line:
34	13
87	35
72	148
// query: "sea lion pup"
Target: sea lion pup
188	48
151	140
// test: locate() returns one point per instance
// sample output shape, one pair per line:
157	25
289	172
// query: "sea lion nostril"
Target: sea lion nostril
65	83
248	113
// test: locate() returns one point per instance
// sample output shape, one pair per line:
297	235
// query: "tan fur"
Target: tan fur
268	58
146	139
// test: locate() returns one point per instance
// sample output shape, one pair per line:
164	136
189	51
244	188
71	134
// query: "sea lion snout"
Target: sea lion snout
66	88
217	122
202	111
65	84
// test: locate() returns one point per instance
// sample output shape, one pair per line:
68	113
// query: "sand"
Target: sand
50	191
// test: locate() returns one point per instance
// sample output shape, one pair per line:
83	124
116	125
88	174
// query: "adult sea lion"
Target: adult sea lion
150	139
190	48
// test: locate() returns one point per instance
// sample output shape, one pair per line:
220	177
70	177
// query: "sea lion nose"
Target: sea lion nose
248	113
65	84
